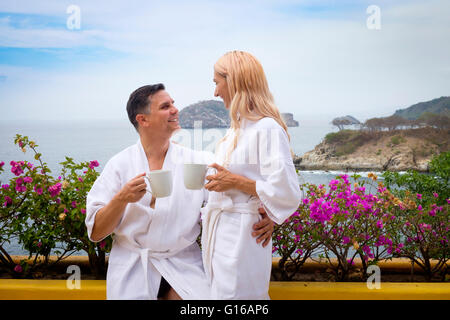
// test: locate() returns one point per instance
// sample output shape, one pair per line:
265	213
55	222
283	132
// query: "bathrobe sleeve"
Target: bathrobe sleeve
279	189
104	189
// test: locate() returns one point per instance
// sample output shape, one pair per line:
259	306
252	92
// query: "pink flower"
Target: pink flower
345	240
379	224
80	179
28	179
2	164
19	185
38	190
93	164
39	244
5	186
16	168
8	201
55	189
74	204
435	195
83	211
18	268
419	196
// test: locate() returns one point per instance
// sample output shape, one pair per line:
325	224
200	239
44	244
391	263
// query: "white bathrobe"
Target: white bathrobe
237	267
150	243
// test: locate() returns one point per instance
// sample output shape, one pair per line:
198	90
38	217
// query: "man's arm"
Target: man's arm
108	217
263	229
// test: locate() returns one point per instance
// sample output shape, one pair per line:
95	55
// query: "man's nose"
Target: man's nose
216	92
174	110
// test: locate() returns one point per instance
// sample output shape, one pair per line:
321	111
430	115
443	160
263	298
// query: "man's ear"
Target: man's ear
141	120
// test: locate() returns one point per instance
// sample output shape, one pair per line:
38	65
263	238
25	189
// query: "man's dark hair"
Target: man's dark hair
140	101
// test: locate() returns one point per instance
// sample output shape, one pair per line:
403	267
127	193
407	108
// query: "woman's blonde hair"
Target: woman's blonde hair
248	90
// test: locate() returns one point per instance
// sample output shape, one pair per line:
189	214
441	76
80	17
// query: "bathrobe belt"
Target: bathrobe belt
145	254
210	215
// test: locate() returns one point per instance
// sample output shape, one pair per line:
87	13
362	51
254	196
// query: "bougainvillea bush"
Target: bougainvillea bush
366	220
45	213
424	230
350	218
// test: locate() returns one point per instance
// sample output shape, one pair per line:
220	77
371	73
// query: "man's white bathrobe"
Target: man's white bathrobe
150	243
238	267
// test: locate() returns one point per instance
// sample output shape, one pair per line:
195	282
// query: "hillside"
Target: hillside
213	114
397	150
437	106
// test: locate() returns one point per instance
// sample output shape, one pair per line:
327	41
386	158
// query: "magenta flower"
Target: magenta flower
8	201
345	240
18	268
38	190
435	194
16	168
93	164
55	189
19	185
5	186
83	211
80	179
379	224
2	164
74	204
419	196
28	179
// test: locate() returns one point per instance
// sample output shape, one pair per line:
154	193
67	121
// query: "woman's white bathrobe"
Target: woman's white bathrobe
236	266
150	243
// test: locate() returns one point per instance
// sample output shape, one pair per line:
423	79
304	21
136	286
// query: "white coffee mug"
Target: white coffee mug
194	175
160	183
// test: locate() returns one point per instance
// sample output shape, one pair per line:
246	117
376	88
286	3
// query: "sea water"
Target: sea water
100	140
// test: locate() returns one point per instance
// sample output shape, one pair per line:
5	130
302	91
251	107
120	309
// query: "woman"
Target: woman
254	167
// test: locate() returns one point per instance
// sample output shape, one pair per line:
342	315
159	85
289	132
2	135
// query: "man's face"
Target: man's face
163	117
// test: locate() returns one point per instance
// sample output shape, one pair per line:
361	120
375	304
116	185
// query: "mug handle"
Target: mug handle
208	173
146	177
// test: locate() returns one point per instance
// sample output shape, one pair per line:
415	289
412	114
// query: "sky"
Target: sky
80	60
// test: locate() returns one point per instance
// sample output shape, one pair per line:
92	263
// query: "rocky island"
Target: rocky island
350	150
213	114
406	140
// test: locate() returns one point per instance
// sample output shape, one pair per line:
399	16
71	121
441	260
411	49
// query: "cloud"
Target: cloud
322	61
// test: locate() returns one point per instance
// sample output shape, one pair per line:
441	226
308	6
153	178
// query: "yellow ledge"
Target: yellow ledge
12	289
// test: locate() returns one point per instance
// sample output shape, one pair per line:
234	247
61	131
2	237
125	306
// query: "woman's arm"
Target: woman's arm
224	180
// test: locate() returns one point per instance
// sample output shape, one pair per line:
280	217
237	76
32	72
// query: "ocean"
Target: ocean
100	140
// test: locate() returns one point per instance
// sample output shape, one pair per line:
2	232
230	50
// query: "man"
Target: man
154	253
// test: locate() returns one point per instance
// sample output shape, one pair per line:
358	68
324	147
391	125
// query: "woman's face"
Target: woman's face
222	89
